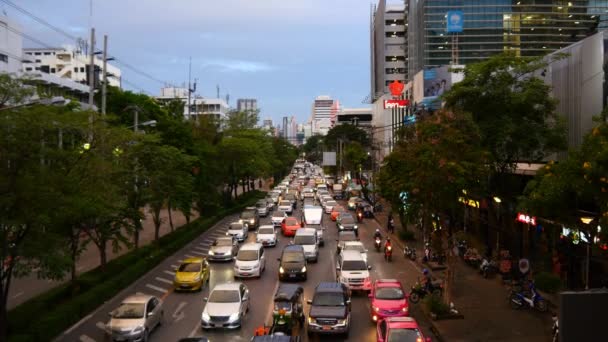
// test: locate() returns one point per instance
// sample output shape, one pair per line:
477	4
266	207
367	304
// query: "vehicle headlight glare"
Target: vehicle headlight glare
211	253
138	329
356	227
233	317
376	308
311	320
281	270
206	316
404	309
304	269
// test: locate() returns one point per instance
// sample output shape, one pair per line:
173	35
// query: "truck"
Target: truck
313	217
338	190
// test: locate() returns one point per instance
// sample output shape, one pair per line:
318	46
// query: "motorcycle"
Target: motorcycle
377	243
359	217
519	300
488	268
388	253
555	329
427	255
409	253
462	247
418	291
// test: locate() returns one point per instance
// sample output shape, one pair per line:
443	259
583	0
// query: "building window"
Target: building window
395	58
47	53
75	69
82	69
3	58
28	53
28	69
37	53
52	70
37	68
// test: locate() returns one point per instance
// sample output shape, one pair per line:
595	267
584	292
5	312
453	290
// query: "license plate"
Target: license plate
185	286
326	327
246	274
292	276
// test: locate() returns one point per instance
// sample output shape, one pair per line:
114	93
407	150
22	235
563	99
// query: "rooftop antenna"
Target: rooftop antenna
217	88
227	98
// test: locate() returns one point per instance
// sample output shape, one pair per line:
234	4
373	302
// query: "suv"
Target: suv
250	217
343	237
353	271
262	207
292	264
329	309
307	238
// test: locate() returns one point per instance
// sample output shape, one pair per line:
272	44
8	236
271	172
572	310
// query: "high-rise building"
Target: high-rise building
321	117
11	43
388	46
198	105
246	105
267	123
285	128
526	28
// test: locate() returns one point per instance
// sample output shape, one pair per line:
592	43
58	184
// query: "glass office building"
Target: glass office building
525	27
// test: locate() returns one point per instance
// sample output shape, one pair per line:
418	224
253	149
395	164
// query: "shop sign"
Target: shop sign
395	104
526	219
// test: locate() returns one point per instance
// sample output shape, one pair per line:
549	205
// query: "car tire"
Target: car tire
160	321
146	335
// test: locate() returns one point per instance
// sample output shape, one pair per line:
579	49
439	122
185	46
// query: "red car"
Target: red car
387	299
399	329
289	226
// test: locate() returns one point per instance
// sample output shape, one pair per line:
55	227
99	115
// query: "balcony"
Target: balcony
394	40
396	28
395	65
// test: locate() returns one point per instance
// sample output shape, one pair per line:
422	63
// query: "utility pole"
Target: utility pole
91	71
105	75
189	85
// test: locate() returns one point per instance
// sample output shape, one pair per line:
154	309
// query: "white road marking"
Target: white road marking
18	294
79	323
85	338
101	326
169	272
156	288
179	314
198	253
174	266
163	280
200	248
189	256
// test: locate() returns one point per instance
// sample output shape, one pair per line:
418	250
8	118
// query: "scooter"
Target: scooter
377	243
359	217
555	329
409	253
418	291
487	267
388	253
519	300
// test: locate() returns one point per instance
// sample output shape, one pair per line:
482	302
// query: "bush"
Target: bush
61	307
547	282
436	305
406	235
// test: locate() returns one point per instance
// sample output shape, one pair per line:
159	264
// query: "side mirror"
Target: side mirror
348	302
205	299
245	298
370	295
369	267
309	301
150	314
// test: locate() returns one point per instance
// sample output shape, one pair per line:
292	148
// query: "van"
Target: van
250	261
307	238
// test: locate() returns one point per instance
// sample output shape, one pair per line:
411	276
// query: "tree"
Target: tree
347	133
314	148
239	120
354	156
13	90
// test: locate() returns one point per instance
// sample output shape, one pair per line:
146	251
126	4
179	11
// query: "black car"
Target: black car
347	222
251	217
292	264
329	309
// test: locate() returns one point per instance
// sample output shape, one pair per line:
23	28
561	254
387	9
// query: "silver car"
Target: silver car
239	231
135	318
226	306
224	248
266	236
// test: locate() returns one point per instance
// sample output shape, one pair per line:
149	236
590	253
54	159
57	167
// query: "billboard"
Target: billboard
395	104
436	82
329	158
455	21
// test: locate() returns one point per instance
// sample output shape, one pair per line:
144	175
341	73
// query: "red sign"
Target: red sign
396	103
526	219
396	88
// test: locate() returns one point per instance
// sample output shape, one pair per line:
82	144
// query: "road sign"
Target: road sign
455	21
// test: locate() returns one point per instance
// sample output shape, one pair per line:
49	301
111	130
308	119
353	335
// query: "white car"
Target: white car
355	246
286	206
307	238
329	206
266	235
278	217
238	231
250	261
226	306
353	271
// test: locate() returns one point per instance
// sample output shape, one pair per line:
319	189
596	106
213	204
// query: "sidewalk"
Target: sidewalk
483	302
30	286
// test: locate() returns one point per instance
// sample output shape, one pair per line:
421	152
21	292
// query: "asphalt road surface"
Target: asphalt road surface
182	311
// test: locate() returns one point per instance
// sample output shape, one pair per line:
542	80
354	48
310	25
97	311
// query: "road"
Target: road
182	311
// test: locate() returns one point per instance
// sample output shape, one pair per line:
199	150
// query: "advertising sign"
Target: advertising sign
396	103
531	220
455	21
329	158
396	88
436	82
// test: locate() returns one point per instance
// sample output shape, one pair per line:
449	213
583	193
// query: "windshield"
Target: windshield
278	214
291	222
129	310
266	231
304	240
328	299
261	205
224	296
347	220
290	197
389	293
189	267
354	265
357	247
223	242
404	335
282	305
247	255
248	214
331	203
236	226
293	257
285	203
347	237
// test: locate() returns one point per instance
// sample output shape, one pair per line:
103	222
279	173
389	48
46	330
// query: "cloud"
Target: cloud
232	65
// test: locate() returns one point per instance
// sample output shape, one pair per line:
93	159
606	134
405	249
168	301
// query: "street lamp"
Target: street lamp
587	220
497	200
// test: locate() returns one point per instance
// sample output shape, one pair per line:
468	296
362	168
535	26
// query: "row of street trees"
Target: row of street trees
70	178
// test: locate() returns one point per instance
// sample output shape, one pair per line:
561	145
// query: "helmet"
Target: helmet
377	230
425	271
388	239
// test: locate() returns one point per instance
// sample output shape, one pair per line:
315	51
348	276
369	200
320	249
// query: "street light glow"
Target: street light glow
497	199
586	220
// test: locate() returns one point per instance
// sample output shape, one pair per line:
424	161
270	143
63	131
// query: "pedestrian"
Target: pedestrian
391	225
260	183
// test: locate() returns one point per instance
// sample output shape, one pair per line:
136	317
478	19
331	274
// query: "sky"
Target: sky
282	52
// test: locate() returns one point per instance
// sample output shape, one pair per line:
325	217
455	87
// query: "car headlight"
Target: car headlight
197	278
342	321
376	308
311	320
211	253
233	317
251	221
356	227
281	270
138	329
304	269
205	316
340	227
404	309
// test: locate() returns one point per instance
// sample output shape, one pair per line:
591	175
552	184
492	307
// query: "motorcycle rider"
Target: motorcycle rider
377	234
428	281
387	244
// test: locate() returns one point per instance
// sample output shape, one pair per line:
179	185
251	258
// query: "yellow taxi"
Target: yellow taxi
191	275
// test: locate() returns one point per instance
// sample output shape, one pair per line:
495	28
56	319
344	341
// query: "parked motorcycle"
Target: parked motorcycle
378	243
409	253
488	267
518	299
462	247
388	253
555	329
418	291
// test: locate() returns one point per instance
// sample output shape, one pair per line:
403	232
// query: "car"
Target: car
274	195
355	246
278	217
336	211
289	226
270	204
251	217
329	206
191	275
343	237
223	248
226	306
307	238
325	198
352	202
388	299
292	263
399	329
262	207
292	198
353	271
346	221
238	231
330	309
135	318
193	339
250	261
266	235
286	206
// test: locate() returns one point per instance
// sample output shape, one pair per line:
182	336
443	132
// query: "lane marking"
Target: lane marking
200	248
156	288
174	266
17	295
85	338
169	273
164	296
101	325
198	253
179	314
163	280
189	256
79	323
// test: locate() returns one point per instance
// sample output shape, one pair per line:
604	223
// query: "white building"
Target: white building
70	63
198	105
323	114
11	49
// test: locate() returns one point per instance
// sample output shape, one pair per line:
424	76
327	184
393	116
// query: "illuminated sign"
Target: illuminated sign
469	202
455	21
396	88
526	219
396	103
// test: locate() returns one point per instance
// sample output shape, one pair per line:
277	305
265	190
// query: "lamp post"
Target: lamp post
586	220
497	200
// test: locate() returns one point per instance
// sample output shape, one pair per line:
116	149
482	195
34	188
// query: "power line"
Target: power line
39	20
